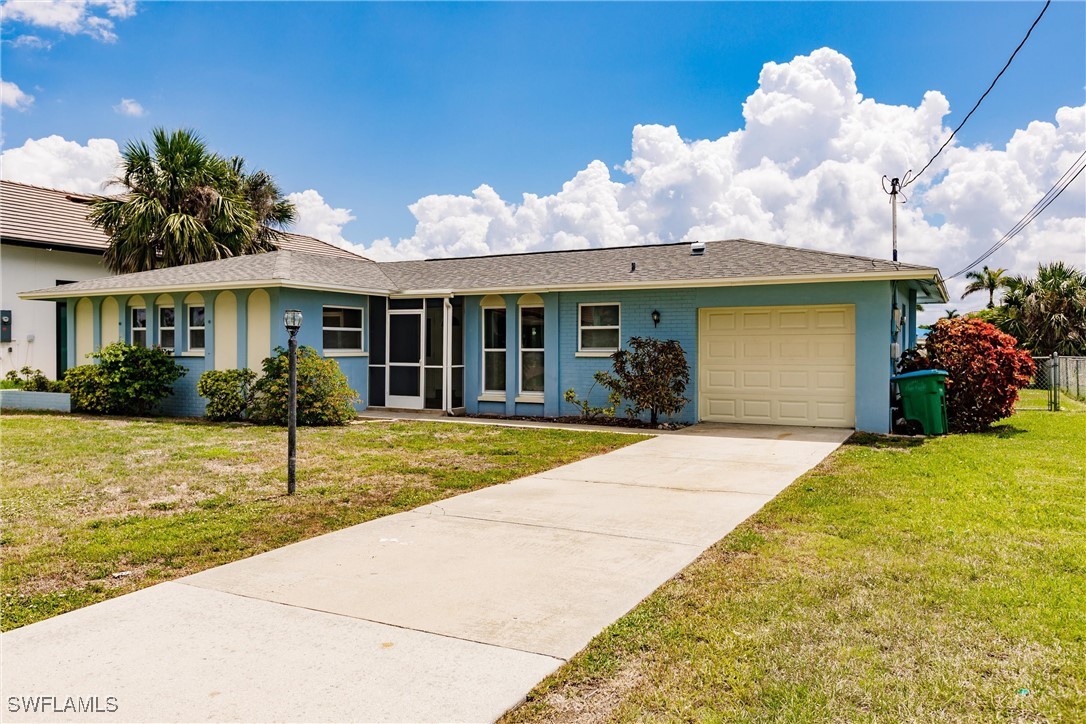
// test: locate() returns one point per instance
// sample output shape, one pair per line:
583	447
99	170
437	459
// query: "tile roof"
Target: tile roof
633	266
58	219
283	268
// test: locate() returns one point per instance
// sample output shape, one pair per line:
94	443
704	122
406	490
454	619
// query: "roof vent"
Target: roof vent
697	248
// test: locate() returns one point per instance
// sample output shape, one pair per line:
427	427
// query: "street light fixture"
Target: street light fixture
292	320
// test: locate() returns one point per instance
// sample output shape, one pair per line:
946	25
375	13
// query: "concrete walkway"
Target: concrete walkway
451	612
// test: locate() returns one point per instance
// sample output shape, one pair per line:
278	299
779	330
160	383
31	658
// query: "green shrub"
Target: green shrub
651	375
31	380
588	411
128	380
324	395
228	392
87	386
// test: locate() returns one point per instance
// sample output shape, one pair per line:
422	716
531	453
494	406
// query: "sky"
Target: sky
409	130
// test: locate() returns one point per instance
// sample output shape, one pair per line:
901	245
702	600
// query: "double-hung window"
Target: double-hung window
166	328
139	326
599	328
493	349
196	327
342	329
531	350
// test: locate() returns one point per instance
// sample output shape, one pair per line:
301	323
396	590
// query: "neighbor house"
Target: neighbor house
45	240
773	334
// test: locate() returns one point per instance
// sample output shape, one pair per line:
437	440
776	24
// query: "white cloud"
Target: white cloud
315	217
805	170
57	163
12	96
32	42
71	16
130	107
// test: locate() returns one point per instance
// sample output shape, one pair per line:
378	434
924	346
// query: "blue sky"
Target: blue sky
378	105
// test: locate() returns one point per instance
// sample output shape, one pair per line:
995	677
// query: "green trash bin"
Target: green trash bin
923	399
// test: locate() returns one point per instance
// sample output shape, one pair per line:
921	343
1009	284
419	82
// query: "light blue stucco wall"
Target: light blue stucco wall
185	402
679	320
354	366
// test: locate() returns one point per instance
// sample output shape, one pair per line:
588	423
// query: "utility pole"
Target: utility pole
894	191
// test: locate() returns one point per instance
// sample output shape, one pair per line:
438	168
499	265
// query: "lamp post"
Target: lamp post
292	320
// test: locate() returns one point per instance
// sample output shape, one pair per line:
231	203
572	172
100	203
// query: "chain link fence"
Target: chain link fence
1071	377
1059	383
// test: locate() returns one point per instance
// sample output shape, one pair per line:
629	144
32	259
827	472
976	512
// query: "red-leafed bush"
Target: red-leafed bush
986	369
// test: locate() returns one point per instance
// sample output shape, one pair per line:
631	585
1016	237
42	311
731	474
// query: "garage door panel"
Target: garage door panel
753	321
756	410
778	365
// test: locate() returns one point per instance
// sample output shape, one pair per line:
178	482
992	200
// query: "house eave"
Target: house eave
61	293
929	276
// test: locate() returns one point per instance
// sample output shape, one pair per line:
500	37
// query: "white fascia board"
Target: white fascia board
929	275
62	293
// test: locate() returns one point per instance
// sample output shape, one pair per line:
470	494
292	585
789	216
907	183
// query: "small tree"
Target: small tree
324	395
986	370
651	375
128	380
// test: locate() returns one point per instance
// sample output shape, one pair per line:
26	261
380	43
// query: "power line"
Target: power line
1051	195
907	180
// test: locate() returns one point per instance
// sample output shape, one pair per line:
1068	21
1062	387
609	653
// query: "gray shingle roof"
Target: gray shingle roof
633	265
283	268
636	266
58	219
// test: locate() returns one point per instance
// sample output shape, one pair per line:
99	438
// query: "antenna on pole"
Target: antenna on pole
893	186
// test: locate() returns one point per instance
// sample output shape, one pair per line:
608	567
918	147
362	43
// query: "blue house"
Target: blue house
774	334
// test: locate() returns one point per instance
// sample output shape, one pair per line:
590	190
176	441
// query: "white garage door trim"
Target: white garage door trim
786	365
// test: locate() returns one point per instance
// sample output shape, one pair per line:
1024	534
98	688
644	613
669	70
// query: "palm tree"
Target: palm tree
1047	313
985	279
185	204
951	314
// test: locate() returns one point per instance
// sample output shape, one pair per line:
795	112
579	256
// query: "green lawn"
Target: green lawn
902	580
96	507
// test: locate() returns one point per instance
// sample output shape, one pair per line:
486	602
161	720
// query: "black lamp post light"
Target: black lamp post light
292	320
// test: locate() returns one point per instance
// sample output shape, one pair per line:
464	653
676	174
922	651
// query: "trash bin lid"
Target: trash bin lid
920	373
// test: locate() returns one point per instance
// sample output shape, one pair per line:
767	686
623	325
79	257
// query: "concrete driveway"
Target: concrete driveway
451	612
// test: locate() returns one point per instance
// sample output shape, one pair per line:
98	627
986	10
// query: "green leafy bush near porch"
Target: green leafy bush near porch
128	380
229	393
324	395
29	379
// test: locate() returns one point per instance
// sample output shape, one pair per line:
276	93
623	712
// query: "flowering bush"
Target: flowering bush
986	370
324	395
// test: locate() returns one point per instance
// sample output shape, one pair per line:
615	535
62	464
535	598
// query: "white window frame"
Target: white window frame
361	329
134	328
189	327
159	327
504	350
604	351
520	339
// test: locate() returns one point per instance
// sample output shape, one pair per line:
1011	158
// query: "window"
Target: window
531	350
166	328
599	328
196	327
493	349
139	326
343	329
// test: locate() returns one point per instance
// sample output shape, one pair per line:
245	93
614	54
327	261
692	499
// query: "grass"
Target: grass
96	507
901	580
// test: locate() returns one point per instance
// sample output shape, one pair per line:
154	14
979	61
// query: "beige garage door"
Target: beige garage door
778	365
